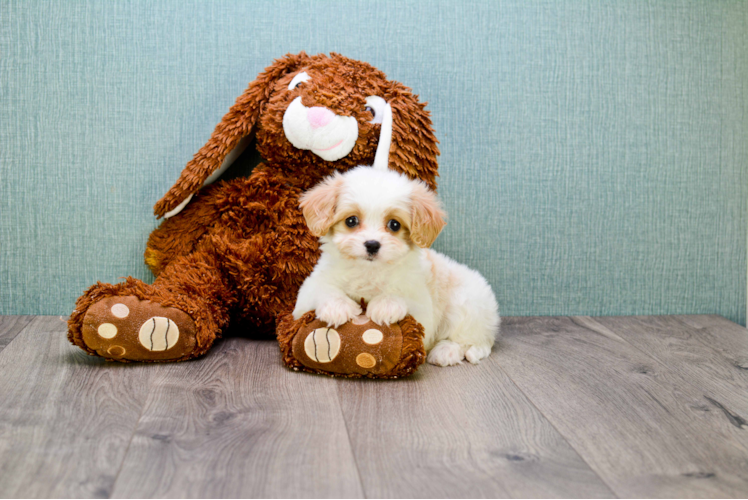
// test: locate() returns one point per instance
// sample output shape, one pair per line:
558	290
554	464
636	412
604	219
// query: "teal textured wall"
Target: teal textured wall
594	154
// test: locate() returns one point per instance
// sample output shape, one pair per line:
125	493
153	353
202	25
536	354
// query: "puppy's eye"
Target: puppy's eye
351	221
371	110
393	225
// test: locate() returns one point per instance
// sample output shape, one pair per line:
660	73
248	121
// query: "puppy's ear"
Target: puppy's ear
318	204
414	146
237	124
427	216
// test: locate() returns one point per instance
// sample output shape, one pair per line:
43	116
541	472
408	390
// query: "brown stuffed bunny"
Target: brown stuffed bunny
238	251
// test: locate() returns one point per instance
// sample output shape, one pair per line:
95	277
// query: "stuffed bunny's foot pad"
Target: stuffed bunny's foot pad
359	348
126	328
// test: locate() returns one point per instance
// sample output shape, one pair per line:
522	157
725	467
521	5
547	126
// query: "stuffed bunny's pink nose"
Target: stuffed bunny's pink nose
318	116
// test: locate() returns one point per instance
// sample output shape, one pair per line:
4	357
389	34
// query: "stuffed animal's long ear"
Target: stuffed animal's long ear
427	216
236	125
318	204
414	146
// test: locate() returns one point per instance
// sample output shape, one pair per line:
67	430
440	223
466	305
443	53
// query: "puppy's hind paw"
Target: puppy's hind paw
476	353
445	353
337	311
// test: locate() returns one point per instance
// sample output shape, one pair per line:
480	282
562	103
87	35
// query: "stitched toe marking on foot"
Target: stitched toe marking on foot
116	351
322	345
158	334
372	336
365	360
107	330
120	311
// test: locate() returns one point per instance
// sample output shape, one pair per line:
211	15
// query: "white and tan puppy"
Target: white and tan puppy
375	227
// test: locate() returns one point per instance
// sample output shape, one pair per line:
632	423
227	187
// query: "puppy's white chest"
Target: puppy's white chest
366	285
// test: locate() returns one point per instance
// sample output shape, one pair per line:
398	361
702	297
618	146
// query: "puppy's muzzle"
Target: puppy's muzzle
372	247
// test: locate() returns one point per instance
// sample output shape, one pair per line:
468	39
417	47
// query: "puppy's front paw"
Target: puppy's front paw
385	310
338	310
445	353
476	353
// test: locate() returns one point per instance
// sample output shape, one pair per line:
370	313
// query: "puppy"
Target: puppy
375	227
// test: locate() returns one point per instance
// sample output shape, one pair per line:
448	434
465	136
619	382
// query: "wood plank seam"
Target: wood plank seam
534	341
698	338
36	441
732	417
240	431
129	442
350	445
735	419
564	437
26	320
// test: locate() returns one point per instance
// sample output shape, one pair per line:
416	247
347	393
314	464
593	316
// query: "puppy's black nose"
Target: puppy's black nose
372	246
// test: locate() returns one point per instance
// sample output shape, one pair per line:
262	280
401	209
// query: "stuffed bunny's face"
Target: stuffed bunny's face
329	110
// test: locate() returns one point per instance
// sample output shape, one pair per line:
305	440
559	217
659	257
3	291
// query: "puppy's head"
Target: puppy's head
373	215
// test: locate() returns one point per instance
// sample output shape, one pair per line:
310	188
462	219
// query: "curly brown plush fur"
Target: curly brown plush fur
241	249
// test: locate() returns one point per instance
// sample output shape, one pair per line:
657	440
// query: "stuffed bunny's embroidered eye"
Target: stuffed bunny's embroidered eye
375	105
298	80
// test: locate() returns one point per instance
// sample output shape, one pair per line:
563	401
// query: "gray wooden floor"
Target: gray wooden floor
564	407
